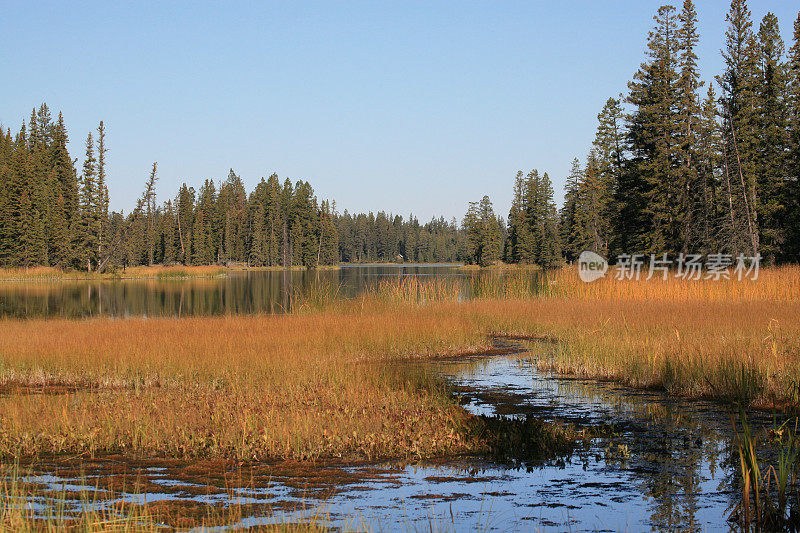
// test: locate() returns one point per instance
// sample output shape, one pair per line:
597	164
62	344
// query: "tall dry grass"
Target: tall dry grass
775	284
49	274
321	383
294	386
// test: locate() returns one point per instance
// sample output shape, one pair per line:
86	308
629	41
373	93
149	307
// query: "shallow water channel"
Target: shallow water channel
664	464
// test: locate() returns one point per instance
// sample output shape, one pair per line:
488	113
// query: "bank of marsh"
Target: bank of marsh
315	384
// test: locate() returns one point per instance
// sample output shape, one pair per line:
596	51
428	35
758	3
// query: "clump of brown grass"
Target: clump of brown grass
241	387
776	284
38	274
49	274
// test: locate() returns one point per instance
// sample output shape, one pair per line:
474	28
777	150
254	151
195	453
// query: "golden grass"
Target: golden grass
777	284
177	271
323	383
245	387
725	339
139	272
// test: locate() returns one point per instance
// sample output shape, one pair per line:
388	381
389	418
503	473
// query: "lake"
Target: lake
238	292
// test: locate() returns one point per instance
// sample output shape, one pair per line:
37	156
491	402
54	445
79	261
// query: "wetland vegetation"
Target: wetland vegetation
240	358
345	379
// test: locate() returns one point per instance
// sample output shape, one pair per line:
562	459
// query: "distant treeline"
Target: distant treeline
673	169
50	214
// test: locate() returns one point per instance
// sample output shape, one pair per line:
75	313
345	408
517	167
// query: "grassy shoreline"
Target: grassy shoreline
325	382
50	274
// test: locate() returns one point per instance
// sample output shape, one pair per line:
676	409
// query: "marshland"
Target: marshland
378	404
193	336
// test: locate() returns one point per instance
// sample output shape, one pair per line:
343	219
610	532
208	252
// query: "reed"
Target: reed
50	274
325	382
295	386
776	284
770	496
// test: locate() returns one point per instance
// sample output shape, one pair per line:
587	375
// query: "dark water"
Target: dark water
238	292
663	464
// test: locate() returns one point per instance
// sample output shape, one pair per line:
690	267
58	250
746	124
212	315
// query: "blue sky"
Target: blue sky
407	107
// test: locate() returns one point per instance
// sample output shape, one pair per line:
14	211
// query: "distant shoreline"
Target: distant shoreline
156	272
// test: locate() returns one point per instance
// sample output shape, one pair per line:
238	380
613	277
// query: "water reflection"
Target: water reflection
660	463
240	292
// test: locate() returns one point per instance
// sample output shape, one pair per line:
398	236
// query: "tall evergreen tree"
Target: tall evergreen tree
792	186
773	138
654	130
567	223
740	86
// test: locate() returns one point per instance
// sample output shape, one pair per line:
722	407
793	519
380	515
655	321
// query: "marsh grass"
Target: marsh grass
319	382
298	386
774	284
51	274
23	508
770	498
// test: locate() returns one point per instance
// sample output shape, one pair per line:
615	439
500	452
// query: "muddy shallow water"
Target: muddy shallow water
662	463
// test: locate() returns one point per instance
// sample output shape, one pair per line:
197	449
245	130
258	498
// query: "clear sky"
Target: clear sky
397	106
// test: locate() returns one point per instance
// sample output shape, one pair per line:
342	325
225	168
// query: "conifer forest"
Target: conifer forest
258	331
678	164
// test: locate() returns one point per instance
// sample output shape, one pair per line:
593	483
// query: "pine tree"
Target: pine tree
86	225
258	242
567	224
167	250
589	229
688	118
739	83
6	218
100	200
653	136
65	197
232	210
491	238
184	223
772	138
329	237
549	248
792	186
204	231
705	204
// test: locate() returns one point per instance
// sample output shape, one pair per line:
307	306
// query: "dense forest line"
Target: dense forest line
673	169
50	214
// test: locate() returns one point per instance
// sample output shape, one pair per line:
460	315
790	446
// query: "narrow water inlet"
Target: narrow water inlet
661	463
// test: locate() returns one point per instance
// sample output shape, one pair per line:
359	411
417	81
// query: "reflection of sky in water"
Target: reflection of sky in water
240	292
665	467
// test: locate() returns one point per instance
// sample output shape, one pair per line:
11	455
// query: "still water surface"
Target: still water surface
239	292
667	465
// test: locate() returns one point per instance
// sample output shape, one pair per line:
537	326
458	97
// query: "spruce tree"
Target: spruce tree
740	143
100	200
654	132
567	223
516	219
688	118
773	138
792	187
86	232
